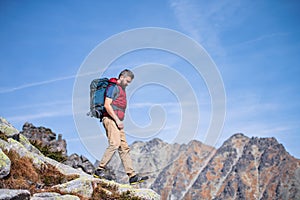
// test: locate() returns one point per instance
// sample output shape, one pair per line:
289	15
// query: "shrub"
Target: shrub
46	151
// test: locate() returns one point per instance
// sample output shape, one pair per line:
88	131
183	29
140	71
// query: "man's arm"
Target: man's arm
111	112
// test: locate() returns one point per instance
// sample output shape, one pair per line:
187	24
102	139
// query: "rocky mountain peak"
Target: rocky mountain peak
261	143
248	168
236	139
153	144
266	144
195	144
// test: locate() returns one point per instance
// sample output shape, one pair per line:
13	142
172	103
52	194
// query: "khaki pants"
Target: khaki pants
117	141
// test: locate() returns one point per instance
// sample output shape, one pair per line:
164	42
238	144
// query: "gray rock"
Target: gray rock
7	128
84	187
81	186
37	160
147	194
8	194
26	143
80	162
4	164
53	196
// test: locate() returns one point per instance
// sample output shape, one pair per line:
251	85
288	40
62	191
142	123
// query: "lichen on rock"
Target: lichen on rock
4	164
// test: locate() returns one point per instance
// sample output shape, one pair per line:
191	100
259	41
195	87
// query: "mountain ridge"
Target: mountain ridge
241	167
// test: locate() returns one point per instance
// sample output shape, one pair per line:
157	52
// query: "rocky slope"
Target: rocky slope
55	147
25	173
242	168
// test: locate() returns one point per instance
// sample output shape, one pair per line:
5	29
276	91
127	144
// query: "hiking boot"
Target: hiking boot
137	179
102	174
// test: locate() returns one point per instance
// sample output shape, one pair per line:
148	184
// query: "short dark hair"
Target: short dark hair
126	72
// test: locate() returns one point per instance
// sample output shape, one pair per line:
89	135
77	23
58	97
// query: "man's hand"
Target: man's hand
110	111
119	124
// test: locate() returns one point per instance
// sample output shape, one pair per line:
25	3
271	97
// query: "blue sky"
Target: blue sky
254	44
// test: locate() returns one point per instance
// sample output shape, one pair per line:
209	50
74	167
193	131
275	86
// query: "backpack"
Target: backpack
97	96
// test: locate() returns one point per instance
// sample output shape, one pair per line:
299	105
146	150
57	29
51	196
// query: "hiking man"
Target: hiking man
115	104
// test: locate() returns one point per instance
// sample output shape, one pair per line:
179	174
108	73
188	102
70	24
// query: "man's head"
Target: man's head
125	78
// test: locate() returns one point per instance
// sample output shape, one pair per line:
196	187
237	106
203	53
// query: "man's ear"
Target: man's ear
122	77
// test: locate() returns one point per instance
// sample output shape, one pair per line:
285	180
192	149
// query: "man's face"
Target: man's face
125	81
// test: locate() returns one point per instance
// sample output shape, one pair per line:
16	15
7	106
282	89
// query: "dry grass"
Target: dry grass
101	192
3	136
24	175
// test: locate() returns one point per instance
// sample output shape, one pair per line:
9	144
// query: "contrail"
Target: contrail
42	83
36	84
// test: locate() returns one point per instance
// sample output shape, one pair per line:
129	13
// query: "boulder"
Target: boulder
85	186
80	162
4	164
81	186
8	194
53	196
7	128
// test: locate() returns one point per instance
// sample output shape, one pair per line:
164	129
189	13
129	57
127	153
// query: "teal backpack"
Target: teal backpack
97	96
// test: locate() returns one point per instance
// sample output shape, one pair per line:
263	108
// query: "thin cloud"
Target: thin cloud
29	85
49	110
186	15
29	117
202	22
36	84
262	37
44	105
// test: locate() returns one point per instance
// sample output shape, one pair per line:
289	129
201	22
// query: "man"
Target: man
115	104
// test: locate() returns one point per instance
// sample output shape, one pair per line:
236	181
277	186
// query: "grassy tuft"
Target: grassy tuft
24	175
101	192
3	136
